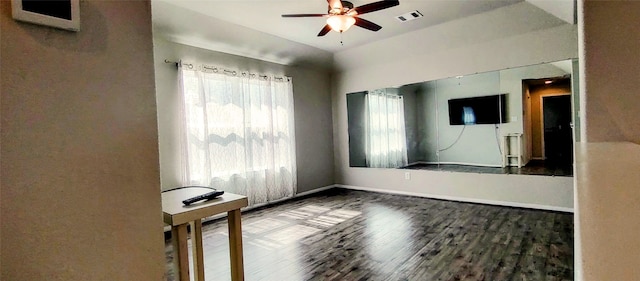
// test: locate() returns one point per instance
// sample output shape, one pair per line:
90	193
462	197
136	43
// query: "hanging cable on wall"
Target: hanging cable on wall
498	138
498	125
456	141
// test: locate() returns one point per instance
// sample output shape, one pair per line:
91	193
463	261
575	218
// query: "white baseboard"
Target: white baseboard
462	199
315	190
424	195
456	163
308	192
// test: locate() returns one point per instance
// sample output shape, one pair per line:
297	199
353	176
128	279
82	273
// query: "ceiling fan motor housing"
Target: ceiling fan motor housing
342	15
346	6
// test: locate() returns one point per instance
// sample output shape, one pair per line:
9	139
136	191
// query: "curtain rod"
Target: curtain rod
215	69
179	63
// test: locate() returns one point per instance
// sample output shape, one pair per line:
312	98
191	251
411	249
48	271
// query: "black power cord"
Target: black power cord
456	141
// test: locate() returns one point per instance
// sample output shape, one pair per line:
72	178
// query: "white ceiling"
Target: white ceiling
255	28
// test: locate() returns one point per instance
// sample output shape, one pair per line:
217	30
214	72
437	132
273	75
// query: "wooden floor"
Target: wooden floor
342	234
534	168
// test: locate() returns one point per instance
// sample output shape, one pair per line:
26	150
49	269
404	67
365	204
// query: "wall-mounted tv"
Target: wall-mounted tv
478	110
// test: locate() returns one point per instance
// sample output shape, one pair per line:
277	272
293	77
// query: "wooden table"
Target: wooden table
179	216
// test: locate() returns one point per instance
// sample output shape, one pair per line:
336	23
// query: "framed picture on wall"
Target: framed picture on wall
64	14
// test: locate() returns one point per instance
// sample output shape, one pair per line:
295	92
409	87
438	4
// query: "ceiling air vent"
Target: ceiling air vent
409	16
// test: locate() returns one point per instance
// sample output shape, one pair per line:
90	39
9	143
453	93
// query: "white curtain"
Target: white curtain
238	133
385	130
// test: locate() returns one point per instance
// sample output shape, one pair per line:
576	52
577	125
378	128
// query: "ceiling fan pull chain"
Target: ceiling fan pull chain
341	43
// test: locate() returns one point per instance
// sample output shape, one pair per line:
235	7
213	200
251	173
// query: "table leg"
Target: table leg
196	249
235	245
180	251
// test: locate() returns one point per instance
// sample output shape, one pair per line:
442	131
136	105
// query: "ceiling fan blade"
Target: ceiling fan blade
376	6
324	30
335	4
303	15
367	24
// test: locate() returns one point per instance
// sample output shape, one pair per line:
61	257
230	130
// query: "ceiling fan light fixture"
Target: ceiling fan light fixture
340	23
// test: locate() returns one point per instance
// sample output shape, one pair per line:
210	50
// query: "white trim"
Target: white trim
470	164
462	199
73	24
456	163
315	190
308	192
312	191
424	195
526	123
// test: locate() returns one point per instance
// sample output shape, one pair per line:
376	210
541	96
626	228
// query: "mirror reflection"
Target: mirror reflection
501	118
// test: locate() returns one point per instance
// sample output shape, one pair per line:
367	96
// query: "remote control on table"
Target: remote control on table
206	196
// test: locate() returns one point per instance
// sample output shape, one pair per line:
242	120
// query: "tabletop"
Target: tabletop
176	213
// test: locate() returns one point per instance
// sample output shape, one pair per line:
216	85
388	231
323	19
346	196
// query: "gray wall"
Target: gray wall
429	59
428	115
80	180
312	106
411	122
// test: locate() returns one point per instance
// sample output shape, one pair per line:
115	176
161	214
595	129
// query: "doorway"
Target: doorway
547	121
557	130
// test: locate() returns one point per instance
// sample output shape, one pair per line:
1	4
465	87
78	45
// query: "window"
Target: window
238	133
386	139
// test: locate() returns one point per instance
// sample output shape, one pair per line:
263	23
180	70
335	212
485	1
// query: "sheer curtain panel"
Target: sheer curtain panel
238	133
385	130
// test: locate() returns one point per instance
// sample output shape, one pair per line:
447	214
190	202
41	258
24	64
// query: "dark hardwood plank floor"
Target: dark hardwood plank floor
342	234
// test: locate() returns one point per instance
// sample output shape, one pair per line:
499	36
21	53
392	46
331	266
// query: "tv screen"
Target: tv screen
478	110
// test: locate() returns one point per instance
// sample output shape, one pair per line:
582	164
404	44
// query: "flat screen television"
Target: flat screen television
478	110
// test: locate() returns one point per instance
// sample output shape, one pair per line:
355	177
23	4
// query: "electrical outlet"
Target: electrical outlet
407	175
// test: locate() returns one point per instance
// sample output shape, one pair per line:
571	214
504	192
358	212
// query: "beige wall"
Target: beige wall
607	181
312	111
610	62
80	178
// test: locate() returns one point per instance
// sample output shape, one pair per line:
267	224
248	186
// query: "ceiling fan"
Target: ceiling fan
341	15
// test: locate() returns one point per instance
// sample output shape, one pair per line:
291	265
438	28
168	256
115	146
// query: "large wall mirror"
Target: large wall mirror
490	119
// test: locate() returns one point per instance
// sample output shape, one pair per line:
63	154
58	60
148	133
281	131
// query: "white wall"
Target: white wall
80	178
554	43
312	107
451	39
476	144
